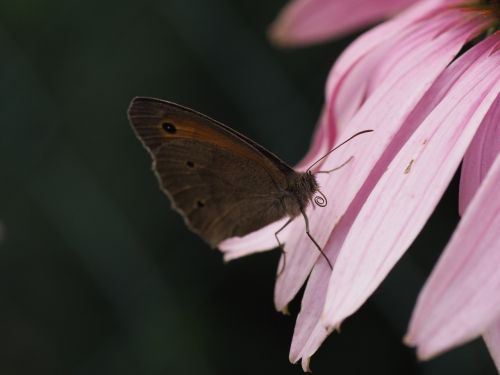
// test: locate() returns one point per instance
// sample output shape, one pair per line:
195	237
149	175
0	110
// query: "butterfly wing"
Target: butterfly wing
221	183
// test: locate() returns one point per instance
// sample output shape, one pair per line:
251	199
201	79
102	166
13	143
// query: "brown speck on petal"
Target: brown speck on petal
408	167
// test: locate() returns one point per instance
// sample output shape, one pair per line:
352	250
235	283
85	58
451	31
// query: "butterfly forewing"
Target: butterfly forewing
219	182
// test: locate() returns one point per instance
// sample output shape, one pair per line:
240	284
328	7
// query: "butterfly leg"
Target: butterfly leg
283	252
336	168
314	241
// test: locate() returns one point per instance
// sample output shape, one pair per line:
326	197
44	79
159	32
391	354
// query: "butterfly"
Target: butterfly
223	183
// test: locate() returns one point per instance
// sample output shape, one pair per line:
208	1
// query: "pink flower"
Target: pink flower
408	80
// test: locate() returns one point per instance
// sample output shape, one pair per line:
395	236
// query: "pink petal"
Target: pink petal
324	137
307	324
307	329
256	242
412	76
347	95
480	155
492	338
478	159
461	299
350	81
395	211
407	193
307	21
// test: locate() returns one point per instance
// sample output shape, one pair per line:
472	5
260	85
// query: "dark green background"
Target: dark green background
97	275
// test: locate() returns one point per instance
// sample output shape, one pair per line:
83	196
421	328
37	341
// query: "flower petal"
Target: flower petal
387	107
303	22
324	137
255	242
480	155
492	339
461	298
314	296
477	161
350	81
395	212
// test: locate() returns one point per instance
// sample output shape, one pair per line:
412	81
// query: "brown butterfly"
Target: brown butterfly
221	182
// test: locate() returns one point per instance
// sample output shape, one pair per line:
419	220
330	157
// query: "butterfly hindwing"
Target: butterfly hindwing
216	206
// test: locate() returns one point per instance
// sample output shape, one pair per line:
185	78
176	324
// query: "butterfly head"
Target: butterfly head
306	190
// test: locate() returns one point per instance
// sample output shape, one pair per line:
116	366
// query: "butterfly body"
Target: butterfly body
223	183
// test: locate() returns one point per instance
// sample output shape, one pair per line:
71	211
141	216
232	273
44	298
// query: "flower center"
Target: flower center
489	8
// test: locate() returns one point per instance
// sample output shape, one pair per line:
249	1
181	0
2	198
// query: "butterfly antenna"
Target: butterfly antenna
336	147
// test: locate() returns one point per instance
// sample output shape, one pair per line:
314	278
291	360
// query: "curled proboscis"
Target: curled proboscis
320	199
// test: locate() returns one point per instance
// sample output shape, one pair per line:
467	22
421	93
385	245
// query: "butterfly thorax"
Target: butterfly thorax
301	189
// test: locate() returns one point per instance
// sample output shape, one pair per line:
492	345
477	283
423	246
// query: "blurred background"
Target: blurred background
97	274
